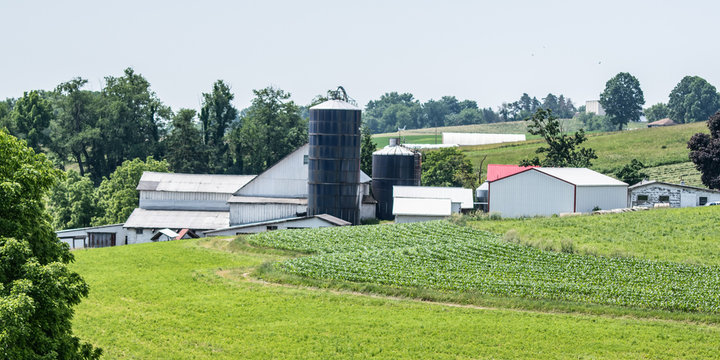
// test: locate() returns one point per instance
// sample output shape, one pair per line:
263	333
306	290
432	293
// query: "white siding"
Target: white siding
301	223
241	213
531	193
367	211
415	218
166	200
464	139
287	178
77	238
604	197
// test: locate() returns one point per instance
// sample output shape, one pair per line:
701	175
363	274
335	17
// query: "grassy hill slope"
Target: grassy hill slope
654	147
169	300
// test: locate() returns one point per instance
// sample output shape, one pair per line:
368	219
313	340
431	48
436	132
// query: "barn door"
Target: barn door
688	199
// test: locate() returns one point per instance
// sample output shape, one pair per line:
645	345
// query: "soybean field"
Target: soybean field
447	257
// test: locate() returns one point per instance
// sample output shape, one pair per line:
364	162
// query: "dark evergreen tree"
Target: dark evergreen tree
185	150
216	116
705	153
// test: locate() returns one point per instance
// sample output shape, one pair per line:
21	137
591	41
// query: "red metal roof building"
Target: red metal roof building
498	171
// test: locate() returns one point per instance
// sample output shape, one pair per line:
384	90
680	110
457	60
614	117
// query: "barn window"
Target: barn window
664	198
138	231
642	198
272	227
703	200
305	159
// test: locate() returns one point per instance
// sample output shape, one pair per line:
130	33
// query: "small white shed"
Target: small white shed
408	210
548	191
649	193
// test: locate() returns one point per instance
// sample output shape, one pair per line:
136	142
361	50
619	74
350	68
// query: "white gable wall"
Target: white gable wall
531	193
604	197
287	178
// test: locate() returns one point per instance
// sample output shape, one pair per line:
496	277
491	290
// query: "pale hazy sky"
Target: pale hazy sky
487	51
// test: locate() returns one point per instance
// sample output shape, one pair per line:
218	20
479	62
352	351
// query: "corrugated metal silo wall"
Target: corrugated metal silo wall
334	164
390	170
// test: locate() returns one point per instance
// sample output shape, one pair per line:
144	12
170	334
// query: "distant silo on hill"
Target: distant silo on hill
334	160
393	165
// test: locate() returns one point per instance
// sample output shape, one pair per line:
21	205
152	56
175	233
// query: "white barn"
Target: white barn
469	139
548	191
649	193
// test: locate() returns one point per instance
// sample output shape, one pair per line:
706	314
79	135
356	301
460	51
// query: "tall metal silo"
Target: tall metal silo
393	165
334	160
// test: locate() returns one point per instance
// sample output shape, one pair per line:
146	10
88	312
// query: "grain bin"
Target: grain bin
334	160
393	165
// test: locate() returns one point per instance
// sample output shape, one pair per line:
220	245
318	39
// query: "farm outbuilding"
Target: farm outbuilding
649	193
424	203
548	191
306	222
468	139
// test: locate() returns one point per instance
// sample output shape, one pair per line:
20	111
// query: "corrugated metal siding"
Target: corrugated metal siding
249	213
287	178
164	200
531	193
604	197
399	219
479	139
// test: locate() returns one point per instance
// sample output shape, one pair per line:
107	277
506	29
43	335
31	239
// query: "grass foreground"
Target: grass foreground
193	299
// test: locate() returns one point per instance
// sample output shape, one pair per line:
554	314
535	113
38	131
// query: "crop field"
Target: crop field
447	257
654	147
675	173
188	299
688	235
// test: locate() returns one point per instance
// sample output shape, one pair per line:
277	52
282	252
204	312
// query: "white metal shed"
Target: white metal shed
548	191
418	209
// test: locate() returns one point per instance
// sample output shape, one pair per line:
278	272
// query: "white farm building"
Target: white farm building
649	193
548	191
424	203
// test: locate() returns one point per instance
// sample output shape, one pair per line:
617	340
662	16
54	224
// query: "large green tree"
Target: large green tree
185	150
117	195
75	132
693	99
271	129
447	167
132	121
657	112
622	99
562	149
216	116
367	148
705	153
37	289
73	202
30	118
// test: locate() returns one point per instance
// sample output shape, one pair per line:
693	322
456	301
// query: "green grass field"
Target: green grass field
189	300
676	173
654	147
686	235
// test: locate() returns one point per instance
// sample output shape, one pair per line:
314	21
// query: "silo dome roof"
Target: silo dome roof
335	105
394	150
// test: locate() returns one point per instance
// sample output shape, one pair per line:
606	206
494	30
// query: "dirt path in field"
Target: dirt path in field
246	276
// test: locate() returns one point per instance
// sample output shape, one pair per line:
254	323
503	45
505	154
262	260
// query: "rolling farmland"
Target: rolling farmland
446	257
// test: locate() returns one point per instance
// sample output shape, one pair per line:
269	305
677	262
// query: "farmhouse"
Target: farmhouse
424	203
547	191
649	193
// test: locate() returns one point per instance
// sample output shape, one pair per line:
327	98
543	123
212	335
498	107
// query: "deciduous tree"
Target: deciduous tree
367	148
37	289
705	153
622	99
657	112
632	173
216	116
73	203
562	149
30	118
693	99
447	167
185	150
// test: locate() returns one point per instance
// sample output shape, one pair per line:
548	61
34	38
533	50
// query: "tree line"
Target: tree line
393	111
692	99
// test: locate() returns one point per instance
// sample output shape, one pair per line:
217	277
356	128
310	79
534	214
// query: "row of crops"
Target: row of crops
447	257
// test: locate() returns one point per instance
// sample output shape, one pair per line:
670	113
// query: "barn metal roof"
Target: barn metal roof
455	194
395	150
582	176
177	219
335	105
499	171
422	206
174	182
266	200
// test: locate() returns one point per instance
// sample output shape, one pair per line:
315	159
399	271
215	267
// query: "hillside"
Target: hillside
191	299
654	147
